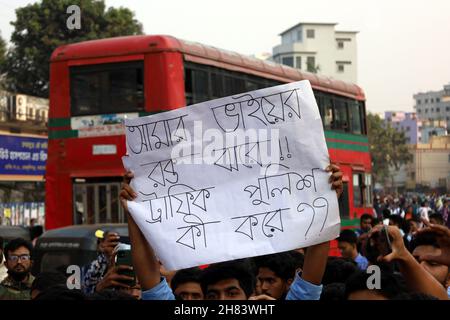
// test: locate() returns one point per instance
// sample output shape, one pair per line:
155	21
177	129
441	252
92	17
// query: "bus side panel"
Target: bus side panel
164	88
58	193
59	91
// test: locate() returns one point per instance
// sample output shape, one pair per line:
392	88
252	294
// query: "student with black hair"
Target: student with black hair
333	292
347	244
416	277
436	218
230	280
186	284
390	286
45	281
426	244
366	222
276	273
338	270
16	286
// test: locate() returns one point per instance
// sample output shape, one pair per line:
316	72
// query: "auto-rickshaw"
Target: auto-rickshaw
57	249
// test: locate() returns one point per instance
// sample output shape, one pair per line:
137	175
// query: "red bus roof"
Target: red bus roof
200	53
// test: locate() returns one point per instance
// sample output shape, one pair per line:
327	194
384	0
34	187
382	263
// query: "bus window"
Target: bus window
200	85
328	113
217	85
319	101
368	195
107	88
362	112
355	117
340	115
358	188
344	208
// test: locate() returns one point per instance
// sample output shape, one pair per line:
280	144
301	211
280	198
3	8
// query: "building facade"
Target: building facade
430	168
406	122
434	105
319	48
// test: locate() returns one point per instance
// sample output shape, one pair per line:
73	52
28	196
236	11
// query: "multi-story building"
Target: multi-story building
434	105
319	48
430	168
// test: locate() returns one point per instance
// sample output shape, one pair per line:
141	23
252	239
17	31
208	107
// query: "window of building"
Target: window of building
426	100
340	68
438	109
298	62
418	101
299	35
426	110
419	111
311	63
288	61
432	109
310	33
408	128
438	99
340	44
432	100
447	109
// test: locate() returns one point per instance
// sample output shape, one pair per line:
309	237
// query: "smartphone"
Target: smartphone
384	242
123	257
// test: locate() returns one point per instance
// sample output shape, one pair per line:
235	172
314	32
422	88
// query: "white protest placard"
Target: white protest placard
231	178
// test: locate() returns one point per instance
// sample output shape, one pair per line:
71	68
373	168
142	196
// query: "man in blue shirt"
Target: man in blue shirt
306	286
347	244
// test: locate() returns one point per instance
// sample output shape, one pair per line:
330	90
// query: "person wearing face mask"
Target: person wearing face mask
17	285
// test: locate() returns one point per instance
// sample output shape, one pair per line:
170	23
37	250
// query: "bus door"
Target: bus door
96	202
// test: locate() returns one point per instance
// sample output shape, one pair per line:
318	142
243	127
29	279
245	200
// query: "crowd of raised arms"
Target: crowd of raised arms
416	267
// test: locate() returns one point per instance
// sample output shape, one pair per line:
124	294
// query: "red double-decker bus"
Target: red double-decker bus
95	85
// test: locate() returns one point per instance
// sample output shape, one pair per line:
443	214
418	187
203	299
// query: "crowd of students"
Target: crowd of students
415	267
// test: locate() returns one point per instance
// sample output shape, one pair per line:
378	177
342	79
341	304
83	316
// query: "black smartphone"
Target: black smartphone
384	242
124	258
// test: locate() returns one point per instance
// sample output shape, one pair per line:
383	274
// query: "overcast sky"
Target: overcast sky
403	46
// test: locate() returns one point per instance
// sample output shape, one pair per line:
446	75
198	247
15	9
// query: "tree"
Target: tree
41	27
3	49
388	148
